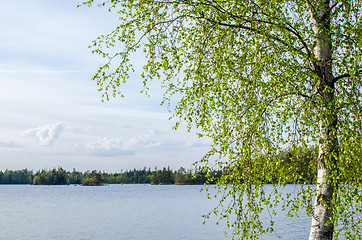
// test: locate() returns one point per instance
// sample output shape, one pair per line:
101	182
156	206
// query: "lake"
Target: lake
132	212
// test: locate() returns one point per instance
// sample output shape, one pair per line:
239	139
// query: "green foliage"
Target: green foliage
184	177
16	177
134	176
95	179
197	176
54	177
164	176
259	78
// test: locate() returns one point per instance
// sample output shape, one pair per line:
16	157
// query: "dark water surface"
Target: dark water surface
132	212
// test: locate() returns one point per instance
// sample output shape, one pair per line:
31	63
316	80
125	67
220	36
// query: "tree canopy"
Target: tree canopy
257	77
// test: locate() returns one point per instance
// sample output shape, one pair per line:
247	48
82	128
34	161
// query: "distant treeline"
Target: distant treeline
60	176
288	166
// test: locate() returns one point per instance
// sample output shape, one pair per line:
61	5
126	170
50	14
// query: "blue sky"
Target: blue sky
51	111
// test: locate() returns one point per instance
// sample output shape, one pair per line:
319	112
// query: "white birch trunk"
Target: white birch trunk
328	144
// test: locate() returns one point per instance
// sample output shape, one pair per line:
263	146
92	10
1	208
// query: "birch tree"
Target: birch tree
257	77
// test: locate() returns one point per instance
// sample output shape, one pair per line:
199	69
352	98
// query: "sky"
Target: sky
51	113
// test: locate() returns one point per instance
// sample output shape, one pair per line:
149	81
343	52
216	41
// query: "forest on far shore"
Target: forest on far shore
293	167
60	176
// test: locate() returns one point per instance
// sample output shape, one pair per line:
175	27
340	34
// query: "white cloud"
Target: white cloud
47	134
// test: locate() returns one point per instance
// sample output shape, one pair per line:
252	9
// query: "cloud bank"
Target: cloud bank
10	144
200	142
106	147
118	146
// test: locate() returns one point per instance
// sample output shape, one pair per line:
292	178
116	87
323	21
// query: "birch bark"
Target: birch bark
322	226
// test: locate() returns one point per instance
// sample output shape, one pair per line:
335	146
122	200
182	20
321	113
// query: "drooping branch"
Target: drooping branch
289	28
347	75
250	29
286	26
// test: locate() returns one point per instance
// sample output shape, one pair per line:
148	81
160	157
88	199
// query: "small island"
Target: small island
95	179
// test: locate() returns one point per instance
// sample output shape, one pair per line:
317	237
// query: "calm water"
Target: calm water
132	212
